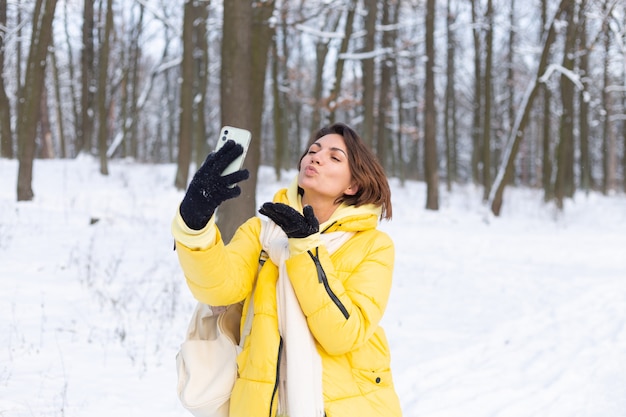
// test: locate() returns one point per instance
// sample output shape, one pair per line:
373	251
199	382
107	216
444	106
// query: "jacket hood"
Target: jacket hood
345	218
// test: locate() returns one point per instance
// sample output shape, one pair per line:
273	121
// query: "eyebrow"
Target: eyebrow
332	149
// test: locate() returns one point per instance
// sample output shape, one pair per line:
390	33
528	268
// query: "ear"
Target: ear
352	189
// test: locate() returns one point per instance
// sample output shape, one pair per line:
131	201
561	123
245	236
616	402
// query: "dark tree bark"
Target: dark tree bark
322	46
430	114
449	123
384	136
517	133
186	100
486	144
608	136
564	182
585	157
477	107
281	144
41	35
83	137
103	81
335	90
368	129
202	80
6	133
546	134
245	48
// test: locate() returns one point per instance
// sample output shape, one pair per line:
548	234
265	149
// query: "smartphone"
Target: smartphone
240	136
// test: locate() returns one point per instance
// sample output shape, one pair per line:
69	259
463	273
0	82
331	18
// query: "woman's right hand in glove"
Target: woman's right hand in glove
208	188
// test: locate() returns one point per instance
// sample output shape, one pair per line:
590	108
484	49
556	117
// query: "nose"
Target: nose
315	158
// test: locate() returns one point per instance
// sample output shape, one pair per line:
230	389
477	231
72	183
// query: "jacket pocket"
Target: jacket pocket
368	380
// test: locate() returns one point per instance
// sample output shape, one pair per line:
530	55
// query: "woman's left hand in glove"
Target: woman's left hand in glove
294	224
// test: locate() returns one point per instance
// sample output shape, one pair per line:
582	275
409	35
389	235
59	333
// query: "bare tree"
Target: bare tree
430	114
384	135
477	107
583	100
521	120
322	47
6	133
608	135
83	137
335	90
546	131
449	116
236	103
186	99
488	84
41	35
369	82
564	182
202	80
103	78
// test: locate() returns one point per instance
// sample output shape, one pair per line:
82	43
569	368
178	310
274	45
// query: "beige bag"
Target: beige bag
207	360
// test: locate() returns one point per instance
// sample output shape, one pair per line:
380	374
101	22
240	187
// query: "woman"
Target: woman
316	347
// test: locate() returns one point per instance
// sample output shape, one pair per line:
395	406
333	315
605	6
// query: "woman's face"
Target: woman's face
325	171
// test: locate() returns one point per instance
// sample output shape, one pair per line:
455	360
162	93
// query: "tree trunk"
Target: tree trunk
564	183
238	89
546	134
31	95
368	129
186	100
449	116
486	145
103	81
281	144
384	141
6	133
477	107
133	108
517	133
322	46
510	85
83	138
608	136
335	91
585	158
202	77
430	114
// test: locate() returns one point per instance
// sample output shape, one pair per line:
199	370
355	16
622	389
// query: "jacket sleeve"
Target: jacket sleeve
344	308
222	274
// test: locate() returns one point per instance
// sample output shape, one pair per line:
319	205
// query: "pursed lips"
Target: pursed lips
309	169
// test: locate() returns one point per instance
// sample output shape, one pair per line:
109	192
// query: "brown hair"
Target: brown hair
367	173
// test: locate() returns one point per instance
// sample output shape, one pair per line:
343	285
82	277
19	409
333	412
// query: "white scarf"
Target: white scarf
300	393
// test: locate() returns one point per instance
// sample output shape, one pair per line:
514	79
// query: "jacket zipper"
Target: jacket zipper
280	354
321	277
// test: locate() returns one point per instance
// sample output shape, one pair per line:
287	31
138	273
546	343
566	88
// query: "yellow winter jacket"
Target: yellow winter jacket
343	308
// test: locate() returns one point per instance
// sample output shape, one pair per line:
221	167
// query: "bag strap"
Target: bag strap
247	325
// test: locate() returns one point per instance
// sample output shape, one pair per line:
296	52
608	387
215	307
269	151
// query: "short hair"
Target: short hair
367	172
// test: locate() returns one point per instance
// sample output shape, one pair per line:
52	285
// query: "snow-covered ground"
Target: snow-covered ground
517	316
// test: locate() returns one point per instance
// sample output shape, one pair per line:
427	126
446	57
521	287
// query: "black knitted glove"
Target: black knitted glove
294	224
208	188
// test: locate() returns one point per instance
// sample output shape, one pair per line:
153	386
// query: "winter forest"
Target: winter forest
491	92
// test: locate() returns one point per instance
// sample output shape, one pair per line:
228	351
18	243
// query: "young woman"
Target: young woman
316	346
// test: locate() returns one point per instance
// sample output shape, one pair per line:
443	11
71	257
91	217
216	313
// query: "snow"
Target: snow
518	315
